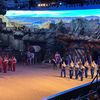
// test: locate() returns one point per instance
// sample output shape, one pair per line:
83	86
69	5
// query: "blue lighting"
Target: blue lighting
60	3
55	13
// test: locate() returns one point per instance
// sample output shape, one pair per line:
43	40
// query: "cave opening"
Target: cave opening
37	47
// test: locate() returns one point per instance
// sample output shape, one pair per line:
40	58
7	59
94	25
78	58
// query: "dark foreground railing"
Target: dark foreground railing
76	92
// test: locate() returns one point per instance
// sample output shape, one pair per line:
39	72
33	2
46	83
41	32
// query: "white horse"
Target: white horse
32	58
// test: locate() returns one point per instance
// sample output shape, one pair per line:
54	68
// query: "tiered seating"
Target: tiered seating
10	4
92	95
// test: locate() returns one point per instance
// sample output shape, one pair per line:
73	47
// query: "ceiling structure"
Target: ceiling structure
48	4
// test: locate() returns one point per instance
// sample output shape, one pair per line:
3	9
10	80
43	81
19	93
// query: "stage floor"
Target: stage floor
34	83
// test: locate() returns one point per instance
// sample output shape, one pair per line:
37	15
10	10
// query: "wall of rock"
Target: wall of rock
79	27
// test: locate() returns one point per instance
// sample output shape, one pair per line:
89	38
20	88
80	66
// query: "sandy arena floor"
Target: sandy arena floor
34	83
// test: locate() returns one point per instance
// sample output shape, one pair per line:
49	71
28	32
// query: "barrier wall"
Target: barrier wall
75	92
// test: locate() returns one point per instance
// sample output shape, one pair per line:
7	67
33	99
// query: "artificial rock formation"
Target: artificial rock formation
78	28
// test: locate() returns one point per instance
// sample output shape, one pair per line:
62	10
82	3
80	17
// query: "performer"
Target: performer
5	64
71	69
76	71
58	59
9	64
86	65
13	63
63	69
57	55
81	69
92	68
0	64
80	61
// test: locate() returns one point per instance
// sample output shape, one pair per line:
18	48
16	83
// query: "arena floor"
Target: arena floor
34	83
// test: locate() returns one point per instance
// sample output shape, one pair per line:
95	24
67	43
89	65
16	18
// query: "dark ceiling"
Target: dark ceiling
31	4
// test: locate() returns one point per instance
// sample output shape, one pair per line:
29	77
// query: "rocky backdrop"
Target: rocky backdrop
14	34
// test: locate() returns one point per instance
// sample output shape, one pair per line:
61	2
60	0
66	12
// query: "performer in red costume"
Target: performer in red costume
5	64
13	63
0	64
10	64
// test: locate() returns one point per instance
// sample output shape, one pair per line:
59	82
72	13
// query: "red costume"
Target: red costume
10	64
5	64
13	63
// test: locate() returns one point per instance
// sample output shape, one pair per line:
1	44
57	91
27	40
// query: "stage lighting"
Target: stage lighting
42	5
60	3
39	5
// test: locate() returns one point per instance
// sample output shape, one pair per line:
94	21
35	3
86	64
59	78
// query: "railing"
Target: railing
86	96
77	93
